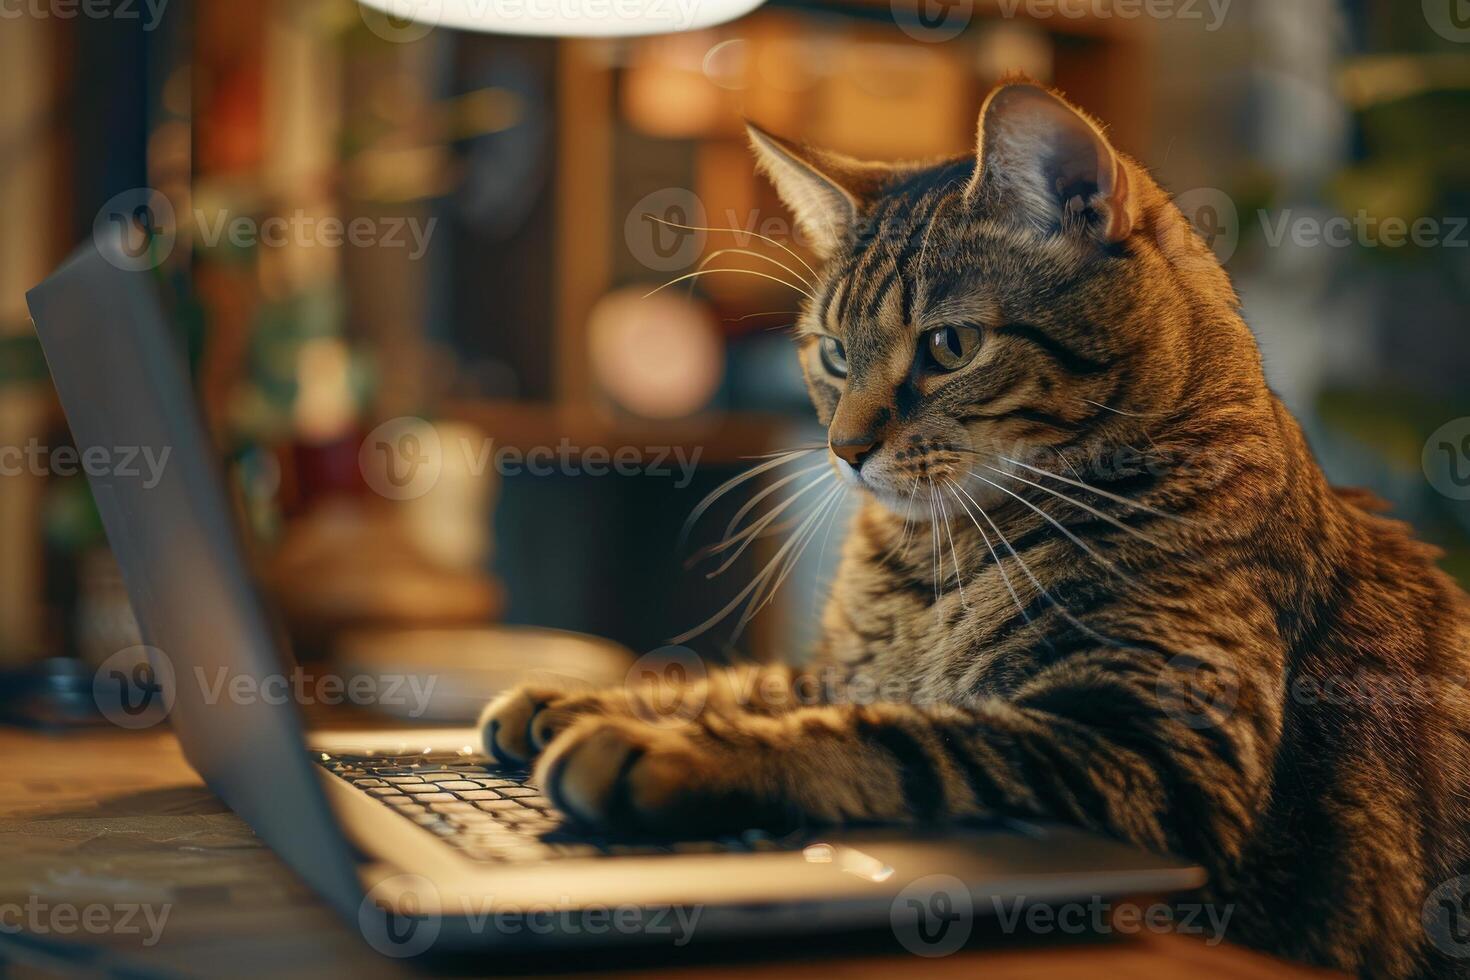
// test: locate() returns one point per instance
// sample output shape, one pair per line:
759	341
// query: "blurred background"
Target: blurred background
383	244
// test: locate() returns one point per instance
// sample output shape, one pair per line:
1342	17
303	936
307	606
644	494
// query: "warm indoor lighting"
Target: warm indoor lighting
559	18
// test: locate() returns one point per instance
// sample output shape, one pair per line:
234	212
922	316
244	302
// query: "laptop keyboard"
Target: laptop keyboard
498	815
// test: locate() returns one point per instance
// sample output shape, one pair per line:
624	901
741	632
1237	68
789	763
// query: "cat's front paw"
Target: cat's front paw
627	776
516	726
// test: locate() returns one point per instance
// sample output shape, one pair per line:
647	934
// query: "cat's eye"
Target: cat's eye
834	357
951	348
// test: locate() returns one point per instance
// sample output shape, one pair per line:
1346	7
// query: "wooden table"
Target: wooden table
104	821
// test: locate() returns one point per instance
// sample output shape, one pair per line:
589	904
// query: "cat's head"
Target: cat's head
1021	302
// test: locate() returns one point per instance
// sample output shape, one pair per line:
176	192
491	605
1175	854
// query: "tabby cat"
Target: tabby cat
1096	575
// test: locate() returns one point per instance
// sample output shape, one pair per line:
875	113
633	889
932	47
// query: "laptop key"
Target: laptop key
455	807
497	815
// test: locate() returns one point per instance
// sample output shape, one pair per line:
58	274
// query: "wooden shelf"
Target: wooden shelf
720	438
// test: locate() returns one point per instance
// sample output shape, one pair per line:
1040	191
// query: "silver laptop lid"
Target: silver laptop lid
123	386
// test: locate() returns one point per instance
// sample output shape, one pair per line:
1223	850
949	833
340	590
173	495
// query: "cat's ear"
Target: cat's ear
1051	162
825	191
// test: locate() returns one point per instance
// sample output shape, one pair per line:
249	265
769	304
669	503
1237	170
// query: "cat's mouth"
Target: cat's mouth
916	483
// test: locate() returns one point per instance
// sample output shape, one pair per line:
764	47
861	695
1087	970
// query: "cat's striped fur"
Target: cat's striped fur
1207	650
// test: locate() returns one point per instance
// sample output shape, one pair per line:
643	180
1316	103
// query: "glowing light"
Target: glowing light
411	19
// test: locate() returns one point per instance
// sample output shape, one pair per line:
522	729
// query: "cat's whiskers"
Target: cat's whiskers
793	451
756	255
994	556
755	500
934	548
770	462
762	578
745	537
1091	489
739	231
1060	527
822	549
748	272
1060	608
1067	462
901	546
751	316
1100	515
828	505
913	529
1118	411
955	555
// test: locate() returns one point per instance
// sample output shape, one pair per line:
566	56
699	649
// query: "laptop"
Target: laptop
415	835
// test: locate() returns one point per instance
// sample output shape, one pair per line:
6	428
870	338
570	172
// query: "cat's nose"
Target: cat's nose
854	450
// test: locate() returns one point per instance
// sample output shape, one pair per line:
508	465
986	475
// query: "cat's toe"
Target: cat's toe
512	728
582	773
625	776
